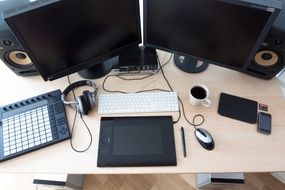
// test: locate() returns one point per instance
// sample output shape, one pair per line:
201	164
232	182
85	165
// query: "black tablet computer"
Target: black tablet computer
238	108
136	141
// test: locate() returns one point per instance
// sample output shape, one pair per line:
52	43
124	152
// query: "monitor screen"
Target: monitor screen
222	32
71	35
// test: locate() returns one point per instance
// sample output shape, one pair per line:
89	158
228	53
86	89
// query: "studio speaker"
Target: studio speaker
270	58
14	56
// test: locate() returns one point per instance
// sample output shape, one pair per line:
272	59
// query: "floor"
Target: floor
260	181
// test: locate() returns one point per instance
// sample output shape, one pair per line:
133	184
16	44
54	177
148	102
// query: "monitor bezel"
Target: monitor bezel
247	3
80	66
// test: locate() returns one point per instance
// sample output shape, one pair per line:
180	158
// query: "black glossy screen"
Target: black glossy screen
264	122
209	29
72	32
136	139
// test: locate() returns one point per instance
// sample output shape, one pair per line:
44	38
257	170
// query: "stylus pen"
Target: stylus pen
183	141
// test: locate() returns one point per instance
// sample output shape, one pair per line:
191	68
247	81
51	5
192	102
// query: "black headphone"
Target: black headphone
85	102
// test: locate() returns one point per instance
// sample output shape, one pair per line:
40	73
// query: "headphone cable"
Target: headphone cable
73	126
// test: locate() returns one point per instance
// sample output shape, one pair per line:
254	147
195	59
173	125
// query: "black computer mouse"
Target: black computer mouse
204	138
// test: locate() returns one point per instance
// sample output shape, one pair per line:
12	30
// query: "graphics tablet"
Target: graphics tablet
136	141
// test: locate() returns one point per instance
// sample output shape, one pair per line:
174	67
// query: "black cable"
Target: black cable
111	91
194	118
162	71
73	126
182	106
164	74
72	130
132	79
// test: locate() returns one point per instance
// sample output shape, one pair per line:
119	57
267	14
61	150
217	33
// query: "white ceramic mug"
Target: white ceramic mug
199	95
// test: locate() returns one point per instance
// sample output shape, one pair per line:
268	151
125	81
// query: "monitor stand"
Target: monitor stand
189	64
99	70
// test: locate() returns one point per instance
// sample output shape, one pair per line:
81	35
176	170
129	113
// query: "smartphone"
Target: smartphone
264	123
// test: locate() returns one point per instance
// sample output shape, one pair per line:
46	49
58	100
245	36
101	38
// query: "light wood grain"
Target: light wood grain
253	181
239	148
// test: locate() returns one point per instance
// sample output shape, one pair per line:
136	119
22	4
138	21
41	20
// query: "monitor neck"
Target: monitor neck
99	70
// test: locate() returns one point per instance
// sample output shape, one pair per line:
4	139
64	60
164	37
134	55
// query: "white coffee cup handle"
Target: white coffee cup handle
207	103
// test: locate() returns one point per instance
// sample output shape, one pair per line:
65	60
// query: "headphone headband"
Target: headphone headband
76	85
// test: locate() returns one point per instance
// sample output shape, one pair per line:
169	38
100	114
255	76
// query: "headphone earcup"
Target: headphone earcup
82	105
88	99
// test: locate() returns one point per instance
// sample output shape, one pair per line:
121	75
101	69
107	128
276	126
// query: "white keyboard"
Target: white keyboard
138	102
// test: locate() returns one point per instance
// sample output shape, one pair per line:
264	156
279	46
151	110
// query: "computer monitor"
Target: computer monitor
65	36
223	32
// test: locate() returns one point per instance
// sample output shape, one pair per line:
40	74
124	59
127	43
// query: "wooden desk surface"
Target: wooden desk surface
239	148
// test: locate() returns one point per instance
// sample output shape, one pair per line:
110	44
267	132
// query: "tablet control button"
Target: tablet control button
105	140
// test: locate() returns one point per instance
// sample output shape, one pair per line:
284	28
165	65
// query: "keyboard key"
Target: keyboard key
37	134
19	149
37	143
24	135
18	141
25	143
37	138
43	136
6	145
48	130
5	127
25	147
6	153
24	139
5	140
30	133
31	145
49	139
44	140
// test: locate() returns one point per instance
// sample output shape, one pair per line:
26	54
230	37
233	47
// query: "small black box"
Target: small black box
140	59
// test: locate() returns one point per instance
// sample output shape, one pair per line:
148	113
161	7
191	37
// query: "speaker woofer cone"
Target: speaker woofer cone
18	58
267	59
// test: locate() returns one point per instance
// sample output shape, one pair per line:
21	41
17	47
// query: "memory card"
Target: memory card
263	107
